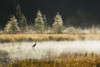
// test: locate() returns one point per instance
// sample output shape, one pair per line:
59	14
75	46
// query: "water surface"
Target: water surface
24	50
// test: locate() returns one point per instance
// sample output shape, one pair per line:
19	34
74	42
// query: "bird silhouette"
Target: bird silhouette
34	44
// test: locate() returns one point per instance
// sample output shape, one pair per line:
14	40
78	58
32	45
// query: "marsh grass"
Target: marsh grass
46	37
64	60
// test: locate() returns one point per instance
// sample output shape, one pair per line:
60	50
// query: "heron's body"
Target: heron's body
34	44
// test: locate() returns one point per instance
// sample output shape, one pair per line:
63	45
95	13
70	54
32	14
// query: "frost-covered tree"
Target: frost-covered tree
18	13
58	23
45	21
22	22
94	29
12	26
39	23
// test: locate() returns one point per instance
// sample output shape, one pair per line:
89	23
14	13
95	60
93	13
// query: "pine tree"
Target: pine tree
22	22
18	13
39	23
12	26
45	21
58	23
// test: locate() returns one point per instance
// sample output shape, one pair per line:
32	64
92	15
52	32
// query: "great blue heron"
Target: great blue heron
34	44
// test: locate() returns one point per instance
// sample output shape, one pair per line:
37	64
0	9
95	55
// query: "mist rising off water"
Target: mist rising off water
24	50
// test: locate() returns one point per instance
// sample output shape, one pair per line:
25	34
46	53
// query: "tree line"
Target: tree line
18	23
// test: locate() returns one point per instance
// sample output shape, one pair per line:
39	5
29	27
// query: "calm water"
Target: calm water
24	50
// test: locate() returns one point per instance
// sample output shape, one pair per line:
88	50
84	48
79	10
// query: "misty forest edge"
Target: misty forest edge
18	24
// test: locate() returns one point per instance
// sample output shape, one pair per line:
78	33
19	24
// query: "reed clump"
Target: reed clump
47	37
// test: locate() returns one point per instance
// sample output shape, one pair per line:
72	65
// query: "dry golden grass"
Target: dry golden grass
65	60
46	37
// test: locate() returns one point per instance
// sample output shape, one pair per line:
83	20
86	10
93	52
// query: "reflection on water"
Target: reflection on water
4	56
24	50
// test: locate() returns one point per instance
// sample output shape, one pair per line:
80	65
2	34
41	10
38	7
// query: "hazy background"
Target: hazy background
82	13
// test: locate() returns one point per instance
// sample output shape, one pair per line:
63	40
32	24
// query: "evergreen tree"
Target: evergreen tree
22	22
45	21
39	23
58	23
18	13
12	26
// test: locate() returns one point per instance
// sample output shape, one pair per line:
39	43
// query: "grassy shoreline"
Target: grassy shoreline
47	37
65	60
